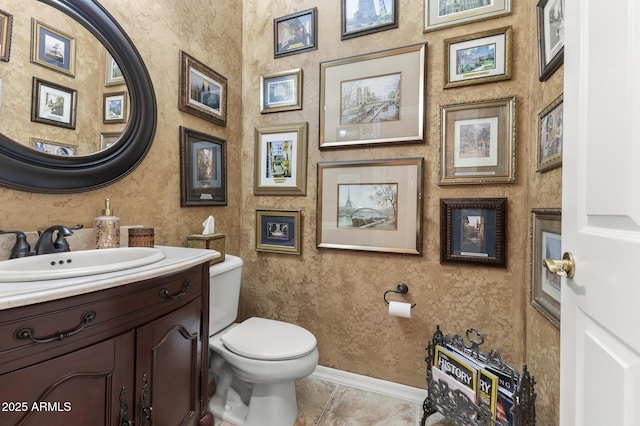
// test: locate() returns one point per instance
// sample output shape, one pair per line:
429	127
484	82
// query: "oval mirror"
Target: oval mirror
27	169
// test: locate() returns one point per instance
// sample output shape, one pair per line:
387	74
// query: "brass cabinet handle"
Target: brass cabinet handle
26	333
165	293
566	267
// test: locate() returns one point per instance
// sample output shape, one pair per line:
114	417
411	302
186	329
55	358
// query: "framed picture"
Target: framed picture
478	142
478	58
550	36
6	24
371	205
53	104
473	231
550	136
108	138
372	99
52	48
546	243
203	169
278	231
53	148
281	91
281	160
112	73
381	15
295	33
440	14
115	107
203	92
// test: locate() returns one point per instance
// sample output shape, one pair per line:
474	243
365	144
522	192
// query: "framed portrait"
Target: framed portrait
478	58
112	72
382	15
203	169
371	99
371	205
550	136
278	231
546	243
108	138
52	48
115	107
473	231
203	92
550	36
477	142
53	148
281	91
441	14
281	159
6	24
53	104
295	33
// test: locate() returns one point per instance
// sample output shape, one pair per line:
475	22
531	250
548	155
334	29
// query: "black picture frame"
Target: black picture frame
354	24
550	36
53	104
287	38
203	169
473	231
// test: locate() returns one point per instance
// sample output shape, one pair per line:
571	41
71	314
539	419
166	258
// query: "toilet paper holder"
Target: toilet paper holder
401	289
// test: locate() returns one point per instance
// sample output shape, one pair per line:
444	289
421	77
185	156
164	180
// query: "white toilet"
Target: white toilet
255	363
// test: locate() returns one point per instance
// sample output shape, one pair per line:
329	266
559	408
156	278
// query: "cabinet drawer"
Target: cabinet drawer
48	329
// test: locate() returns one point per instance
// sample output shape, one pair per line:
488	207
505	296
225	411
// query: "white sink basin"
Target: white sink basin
77	263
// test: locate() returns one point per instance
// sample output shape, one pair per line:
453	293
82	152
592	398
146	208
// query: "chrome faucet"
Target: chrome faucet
45	244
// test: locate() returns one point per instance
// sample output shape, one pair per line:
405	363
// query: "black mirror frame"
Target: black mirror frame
25	169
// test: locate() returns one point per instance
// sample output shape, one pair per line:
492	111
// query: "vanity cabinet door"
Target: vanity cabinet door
168	360
84	387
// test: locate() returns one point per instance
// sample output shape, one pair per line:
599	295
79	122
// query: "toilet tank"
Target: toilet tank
224	292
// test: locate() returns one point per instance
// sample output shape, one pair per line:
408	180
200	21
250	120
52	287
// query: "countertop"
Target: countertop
17	294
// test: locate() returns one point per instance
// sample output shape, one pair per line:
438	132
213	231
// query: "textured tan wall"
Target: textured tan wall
337	294
545	191
150	195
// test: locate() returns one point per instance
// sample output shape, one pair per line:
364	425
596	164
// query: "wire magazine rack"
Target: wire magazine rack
456	406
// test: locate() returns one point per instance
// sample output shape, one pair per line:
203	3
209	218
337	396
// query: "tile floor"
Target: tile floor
324	403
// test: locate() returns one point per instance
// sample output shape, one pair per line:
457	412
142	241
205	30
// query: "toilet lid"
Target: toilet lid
261	338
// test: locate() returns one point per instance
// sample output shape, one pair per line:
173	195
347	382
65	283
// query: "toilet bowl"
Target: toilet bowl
254	363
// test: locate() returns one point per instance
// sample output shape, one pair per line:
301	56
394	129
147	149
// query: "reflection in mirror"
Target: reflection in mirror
57	74
81	99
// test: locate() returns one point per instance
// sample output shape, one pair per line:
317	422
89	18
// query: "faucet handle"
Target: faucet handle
21	248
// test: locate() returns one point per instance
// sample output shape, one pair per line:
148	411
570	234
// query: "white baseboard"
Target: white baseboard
383	387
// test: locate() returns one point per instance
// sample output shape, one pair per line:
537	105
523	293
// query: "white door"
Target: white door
600	318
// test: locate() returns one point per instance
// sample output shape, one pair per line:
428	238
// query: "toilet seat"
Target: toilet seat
266	339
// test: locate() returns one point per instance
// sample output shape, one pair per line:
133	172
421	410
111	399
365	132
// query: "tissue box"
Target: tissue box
209	242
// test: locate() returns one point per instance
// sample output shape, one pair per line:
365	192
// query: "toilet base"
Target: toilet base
272	404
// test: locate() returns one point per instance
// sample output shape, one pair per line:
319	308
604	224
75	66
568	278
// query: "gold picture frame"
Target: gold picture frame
546	243
550	135
281	159
351	114
6	24
477	142
483	57
52	48
281	91
439	14
278	231
371	205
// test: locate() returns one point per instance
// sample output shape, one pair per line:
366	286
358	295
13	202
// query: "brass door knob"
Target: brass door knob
565	267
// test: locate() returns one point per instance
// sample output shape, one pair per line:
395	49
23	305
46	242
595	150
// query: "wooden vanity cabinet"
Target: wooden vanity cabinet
140	359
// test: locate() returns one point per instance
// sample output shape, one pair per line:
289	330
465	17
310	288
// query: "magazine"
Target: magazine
457	366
